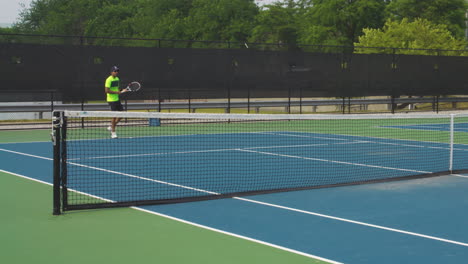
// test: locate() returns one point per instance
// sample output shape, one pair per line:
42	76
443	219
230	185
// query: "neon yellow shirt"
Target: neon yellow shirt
113	83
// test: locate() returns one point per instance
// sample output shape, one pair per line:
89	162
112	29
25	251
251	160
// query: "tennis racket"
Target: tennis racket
132	87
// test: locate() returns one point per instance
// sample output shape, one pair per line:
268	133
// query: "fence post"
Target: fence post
159	99
452	128
343	105
300	100
349	105
248	99
228	110
51	101
189	100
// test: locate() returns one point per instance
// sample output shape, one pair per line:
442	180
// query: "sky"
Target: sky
10	9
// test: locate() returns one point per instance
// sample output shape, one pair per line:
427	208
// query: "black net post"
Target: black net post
393	104
437	104
56	140
63	161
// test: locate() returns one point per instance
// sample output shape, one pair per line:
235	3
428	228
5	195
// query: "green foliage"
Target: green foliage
111	20
277	23
6	30
287	24
340	22
67	17
419	34
446	12
224	20
161	18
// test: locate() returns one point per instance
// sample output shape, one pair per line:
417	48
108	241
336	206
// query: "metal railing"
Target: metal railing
192	106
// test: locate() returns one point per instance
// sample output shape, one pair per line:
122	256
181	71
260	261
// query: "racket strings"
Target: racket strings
134	86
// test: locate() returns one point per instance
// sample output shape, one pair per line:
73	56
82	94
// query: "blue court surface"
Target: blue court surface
412	221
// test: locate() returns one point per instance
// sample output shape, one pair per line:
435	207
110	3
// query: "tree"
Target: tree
162	18
225	20
340	22
279	23
419	34
112	20
447	12
75	17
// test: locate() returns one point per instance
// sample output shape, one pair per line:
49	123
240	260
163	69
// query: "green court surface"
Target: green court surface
31	234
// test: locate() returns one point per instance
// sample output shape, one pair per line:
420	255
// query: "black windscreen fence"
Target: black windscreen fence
37	72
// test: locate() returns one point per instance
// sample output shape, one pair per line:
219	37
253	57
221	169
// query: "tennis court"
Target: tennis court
420	220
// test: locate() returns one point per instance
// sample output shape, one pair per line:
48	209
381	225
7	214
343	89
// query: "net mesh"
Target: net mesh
164	157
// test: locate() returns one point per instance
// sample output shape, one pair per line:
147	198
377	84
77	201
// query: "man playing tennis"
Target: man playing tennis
112	88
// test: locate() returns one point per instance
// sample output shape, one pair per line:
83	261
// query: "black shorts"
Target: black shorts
116	106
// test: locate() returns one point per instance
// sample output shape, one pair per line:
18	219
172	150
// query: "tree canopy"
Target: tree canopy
320	22
445	12
419	34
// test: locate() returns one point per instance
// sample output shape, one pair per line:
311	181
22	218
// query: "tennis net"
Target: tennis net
175	157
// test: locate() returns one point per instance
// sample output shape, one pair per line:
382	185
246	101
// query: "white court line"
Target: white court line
438	130
25	142
313	213
374	142
152	154
155	136
354	222
193	224
25	154
354	141
459	175
332	161
213	150
144	178
415	127
114	172
354	136
50	184
444	125
301	136
162	136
